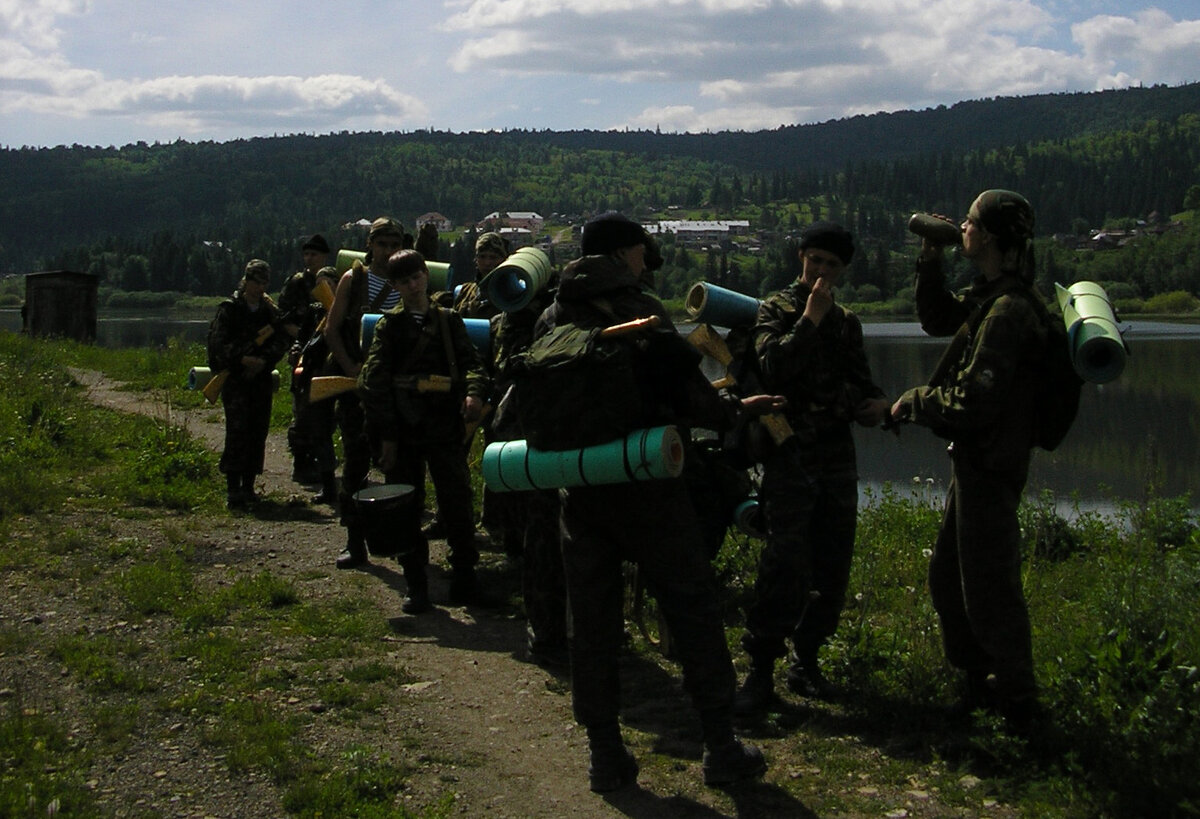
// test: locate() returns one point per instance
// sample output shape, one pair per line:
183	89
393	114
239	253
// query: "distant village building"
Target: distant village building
701	233
517	237
526	219
60	303
442	223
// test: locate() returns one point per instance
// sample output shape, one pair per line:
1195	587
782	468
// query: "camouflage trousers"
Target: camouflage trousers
543	585
975	579
653	525
804	568
247	403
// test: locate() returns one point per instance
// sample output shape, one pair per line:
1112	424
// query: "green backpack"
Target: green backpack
576	388
1059	386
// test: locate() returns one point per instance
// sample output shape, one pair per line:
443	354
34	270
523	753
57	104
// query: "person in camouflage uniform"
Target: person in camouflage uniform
296	300
412	426
362	289
809	350
982	397
244	340
530	519
470	301
651	523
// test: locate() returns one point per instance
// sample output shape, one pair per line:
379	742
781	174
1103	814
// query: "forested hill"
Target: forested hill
988	123
1080	156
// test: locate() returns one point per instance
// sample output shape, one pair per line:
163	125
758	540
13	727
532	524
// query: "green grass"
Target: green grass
255	661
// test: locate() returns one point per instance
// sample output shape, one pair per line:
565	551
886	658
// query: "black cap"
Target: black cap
829	236
610	231
316	242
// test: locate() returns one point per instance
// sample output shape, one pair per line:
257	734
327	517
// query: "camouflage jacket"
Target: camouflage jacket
235	332
596	291
297	303
396	383
983	392
821	370
471	302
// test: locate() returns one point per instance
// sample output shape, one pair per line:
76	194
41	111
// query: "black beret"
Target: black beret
831	237
611	231
316	242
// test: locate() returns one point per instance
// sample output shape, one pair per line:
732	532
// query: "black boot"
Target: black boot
804	677
612	765
417	599
329	489
355	554
234	497
758	690
732	761
466	591
304	469
248	487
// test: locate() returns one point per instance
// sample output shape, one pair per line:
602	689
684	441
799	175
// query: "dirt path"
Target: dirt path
474	699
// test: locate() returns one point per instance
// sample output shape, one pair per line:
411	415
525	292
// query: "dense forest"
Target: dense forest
183	217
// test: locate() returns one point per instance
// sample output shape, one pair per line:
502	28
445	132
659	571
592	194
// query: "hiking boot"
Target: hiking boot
732	761
236	502
756	694
1021	717
350	559
355	554
549	655
305	474
979	693
329	490
466	591
248	487
808	681
416	601
612	767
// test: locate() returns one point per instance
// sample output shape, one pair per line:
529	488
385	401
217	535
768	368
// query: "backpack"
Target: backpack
575	388
1059	386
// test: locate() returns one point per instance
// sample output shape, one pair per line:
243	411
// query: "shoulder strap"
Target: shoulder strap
444	327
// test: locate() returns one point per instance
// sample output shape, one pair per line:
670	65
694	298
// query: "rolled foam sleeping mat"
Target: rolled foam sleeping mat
642	455
1098	349
709	304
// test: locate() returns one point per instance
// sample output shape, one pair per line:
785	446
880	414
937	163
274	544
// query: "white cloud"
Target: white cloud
1151	45
768	61
36	78
35	22
85	67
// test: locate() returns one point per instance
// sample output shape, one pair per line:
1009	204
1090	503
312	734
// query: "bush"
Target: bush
1120	290
869	293
1177	301
141	300
1044	532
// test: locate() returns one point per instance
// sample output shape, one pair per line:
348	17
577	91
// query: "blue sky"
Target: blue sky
112	72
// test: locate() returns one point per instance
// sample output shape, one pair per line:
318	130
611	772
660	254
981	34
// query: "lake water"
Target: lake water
1142	426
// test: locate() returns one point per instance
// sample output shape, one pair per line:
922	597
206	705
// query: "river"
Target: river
1134	431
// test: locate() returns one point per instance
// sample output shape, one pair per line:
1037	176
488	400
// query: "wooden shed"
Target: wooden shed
61	303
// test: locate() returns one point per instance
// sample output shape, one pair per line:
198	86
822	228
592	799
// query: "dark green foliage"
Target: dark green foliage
1083	159
1046	533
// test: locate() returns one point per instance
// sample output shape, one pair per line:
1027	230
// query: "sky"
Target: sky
116	72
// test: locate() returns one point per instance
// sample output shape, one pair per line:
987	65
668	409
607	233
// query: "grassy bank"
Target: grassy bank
160	641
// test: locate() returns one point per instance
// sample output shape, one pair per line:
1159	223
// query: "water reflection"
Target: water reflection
1142	427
